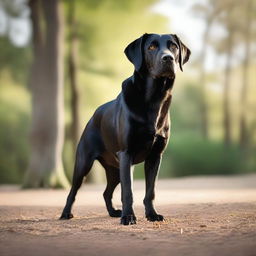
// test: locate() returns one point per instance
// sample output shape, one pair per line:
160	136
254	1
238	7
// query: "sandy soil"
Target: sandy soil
203	216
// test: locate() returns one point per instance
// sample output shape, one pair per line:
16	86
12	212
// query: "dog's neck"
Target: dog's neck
148	99
153	90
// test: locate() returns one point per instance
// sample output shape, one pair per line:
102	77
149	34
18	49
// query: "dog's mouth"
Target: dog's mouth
167	71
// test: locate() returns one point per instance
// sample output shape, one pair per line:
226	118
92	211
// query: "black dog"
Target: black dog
134	127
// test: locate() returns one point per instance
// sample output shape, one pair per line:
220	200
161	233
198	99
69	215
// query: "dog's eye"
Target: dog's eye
172	46
152	46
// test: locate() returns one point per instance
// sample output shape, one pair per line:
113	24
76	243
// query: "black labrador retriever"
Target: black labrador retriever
134	127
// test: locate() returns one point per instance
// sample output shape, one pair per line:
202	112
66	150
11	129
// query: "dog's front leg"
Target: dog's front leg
126	178
152	165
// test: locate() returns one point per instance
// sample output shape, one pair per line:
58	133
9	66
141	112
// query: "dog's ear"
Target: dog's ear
135	52
184	52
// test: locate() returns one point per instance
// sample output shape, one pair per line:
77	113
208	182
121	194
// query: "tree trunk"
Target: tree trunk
47	128
226	100
243	139
202	81
72	68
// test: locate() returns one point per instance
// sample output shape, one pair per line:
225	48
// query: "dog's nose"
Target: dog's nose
167	58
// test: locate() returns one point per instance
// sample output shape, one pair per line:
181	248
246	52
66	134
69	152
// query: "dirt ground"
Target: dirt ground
203	216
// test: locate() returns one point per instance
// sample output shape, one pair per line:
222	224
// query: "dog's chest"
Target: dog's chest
158	118
156	123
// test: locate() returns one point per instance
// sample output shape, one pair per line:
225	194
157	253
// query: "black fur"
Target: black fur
134	127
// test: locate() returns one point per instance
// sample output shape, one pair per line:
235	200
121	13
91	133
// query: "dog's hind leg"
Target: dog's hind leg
113	179
83	164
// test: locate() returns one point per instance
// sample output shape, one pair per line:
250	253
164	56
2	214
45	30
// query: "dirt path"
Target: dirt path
204	216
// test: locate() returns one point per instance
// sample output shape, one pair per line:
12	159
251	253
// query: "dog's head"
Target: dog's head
157	55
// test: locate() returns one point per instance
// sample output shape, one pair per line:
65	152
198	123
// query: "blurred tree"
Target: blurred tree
14	56
104	33
72	72
225	13
102	30
228	20
209	11
238	32
247	35
46	83
226	98
14	107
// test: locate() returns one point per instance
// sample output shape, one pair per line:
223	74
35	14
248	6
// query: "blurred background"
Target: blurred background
60	60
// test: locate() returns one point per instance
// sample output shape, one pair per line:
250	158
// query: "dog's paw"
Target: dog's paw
155	217
115	213
66	216
128	220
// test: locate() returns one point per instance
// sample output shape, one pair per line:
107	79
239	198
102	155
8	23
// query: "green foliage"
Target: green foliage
14	122
189	154
185	108
15	60
68	158
104	29
139	171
